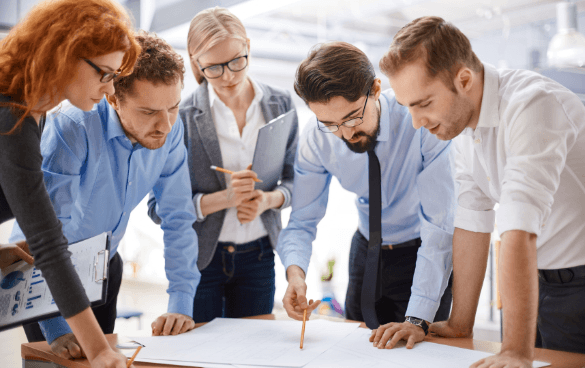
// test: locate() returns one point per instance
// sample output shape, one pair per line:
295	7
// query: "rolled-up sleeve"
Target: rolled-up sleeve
174	207
475	210
309	202
537	143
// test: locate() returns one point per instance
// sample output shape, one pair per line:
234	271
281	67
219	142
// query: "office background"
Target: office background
504	33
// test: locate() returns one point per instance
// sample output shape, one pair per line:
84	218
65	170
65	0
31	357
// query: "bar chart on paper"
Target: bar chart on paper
25	295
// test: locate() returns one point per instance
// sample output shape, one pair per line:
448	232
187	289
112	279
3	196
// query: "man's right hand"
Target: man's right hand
108	358
68	347
295	297
450	329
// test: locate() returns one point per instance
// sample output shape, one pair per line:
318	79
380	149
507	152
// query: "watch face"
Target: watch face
415	321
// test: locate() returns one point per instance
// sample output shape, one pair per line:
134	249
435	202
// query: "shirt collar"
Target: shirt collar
384	134
489	116
214	98
113	124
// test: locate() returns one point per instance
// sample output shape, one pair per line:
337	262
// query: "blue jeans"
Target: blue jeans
397	267
239	282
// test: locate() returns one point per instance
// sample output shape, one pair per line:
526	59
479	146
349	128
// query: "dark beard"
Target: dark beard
369	143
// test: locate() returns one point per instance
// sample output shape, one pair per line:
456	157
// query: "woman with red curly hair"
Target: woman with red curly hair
63	49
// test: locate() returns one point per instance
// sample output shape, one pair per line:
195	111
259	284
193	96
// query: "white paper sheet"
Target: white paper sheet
247	342
356	351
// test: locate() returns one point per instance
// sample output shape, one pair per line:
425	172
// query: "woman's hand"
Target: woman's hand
241	187
254	207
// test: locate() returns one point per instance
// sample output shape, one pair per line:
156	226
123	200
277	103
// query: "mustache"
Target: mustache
356	135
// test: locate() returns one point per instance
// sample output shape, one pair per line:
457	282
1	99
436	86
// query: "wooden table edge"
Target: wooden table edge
41	351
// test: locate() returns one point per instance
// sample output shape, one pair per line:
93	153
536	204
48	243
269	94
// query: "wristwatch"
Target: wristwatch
418	322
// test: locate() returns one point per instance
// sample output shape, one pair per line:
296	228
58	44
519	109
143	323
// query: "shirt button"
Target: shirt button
489	178
124	214
362	201
130	183
478	140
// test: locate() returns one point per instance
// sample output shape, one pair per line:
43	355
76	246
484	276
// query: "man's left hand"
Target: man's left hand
396	331
505	359
172	324
253	208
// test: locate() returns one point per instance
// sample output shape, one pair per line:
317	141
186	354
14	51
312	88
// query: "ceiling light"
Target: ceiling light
567	48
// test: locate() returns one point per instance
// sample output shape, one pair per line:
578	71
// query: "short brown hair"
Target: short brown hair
157	63
334	69
443	46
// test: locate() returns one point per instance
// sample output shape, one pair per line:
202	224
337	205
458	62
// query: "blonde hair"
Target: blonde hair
208	28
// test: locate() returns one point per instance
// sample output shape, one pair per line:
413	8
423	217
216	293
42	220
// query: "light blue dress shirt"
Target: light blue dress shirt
95	177
418	197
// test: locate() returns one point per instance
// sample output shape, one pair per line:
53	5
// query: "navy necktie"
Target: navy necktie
370	286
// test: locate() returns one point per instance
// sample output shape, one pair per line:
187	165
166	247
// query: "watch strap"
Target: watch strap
420	323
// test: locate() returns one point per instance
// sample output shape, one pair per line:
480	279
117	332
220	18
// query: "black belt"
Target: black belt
410	243
562	275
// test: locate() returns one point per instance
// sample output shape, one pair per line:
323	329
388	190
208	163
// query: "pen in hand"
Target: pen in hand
221	169
304	323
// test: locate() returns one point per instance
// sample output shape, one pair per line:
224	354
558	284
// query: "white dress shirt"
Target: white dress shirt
237	152
527	153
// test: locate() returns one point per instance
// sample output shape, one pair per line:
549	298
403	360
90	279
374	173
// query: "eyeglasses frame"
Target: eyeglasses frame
223	65
326	128
103	74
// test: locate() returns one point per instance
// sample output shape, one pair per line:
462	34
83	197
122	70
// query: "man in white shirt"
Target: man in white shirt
520	143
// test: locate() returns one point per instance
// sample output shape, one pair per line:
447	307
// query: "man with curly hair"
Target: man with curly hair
99	165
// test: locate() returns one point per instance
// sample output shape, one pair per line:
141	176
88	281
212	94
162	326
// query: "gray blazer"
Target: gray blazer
203	151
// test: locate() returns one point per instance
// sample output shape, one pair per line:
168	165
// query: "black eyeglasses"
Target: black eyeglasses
105	76
216	71
332	128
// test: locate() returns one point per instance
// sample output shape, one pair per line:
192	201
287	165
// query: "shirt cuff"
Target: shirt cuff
295	261
287	197
421	307
54	328
180	302
519	216
476	221
197	203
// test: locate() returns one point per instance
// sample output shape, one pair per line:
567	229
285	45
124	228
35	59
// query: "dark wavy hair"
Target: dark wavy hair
334	69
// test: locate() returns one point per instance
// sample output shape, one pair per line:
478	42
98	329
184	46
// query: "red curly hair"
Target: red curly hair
39	54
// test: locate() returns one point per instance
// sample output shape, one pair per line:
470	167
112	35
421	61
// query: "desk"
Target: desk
38	354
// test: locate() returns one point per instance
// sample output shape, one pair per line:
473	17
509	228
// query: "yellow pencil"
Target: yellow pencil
133	357
303	331
221	169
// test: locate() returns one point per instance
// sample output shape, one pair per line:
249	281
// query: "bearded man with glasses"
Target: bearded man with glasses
400	259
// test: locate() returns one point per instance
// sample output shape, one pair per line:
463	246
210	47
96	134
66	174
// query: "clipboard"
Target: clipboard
271	149
25	296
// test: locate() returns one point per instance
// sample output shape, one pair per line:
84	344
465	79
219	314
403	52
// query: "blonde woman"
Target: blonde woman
237	225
